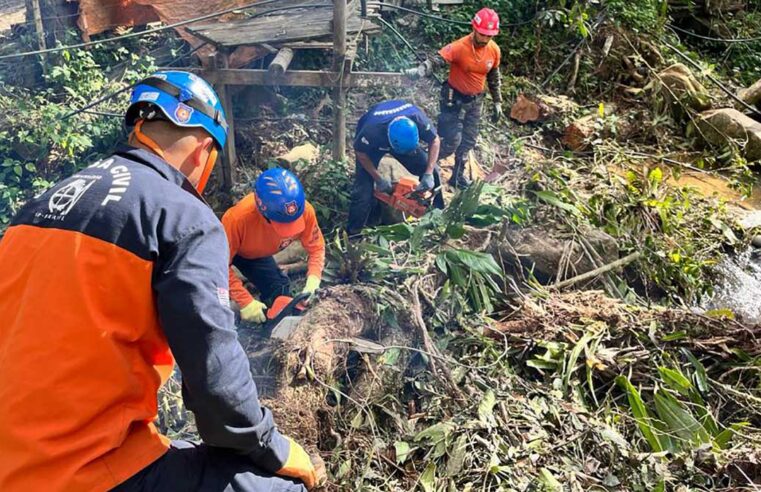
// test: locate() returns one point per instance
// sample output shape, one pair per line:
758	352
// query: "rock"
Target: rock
719	126
751	95
756	241
307	152
551	257
527	110
679	88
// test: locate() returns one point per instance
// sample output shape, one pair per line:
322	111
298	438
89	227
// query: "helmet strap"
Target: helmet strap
210	162
146	140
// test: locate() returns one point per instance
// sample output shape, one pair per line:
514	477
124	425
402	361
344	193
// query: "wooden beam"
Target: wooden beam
339	91
301	78
229	156
40	31
280	63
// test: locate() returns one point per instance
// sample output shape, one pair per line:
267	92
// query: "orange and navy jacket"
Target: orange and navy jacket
250	236
105	280
471	66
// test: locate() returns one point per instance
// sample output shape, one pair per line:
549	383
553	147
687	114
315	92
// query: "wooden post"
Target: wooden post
280	63
229	157
40	29
339	91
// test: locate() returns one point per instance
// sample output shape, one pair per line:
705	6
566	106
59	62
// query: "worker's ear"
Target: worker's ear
202	150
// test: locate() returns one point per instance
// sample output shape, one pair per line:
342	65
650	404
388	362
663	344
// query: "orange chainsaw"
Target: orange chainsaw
405	198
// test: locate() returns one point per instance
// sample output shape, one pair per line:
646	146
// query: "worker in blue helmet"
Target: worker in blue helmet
397	128
267	220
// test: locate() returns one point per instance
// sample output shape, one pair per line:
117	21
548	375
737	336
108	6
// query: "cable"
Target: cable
124	89
719	40
712	78
406	43
143	33
444	19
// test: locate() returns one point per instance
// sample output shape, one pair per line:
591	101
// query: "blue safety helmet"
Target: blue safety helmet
280	199
182	98
403	135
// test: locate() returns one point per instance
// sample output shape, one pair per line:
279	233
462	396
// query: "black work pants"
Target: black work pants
266	276
190	467
362	200
459	122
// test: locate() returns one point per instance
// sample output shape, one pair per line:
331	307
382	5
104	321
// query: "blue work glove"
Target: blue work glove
426	182
383	185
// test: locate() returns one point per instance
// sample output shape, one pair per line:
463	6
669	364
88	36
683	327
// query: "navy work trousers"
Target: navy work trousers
190	467
266	276
362	200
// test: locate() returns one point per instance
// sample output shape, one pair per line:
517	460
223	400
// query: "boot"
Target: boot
458	179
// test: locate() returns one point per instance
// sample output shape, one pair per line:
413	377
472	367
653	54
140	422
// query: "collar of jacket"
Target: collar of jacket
159	165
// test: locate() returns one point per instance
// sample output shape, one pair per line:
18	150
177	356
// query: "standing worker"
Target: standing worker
474	62
105	280
264	222
397	128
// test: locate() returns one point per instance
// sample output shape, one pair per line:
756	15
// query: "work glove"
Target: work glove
313	283
426	183
299	465
254	312
496	113
383	185
412	73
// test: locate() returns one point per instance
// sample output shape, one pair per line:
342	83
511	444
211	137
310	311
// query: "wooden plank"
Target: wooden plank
339	91
297	25
301	78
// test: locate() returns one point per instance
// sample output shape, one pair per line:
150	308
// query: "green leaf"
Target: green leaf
552	199
725	436
436	432
573	358
428	478
641	415
701	378
486	408
402	451
474	260
656	176
675	380
679	420
457	455
549	482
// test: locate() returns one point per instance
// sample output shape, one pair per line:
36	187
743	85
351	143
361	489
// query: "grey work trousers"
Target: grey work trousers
459	122
187	467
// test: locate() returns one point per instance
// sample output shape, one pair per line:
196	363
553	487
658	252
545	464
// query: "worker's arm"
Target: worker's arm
433	154
190	285
234	233
494	81
313	242
367	165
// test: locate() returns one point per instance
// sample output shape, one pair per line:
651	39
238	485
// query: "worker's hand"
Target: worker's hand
426	183
298	465
254	312
412	73
383	185
313	283
496	113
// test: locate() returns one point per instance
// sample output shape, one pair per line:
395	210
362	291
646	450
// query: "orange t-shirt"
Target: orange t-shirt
469	65
251	236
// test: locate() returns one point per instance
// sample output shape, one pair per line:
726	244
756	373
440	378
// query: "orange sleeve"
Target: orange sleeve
449	52
313	242
238	292
497	55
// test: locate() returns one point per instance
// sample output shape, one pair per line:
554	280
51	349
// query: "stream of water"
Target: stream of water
738	287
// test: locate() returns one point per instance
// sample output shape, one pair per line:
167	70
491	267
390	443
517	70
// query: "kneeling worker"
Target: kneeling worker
264	222
138	282
391	127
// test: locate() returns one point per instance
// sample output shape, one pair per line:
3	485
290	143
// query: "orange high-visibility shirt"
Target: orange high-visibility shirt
469	65
251	236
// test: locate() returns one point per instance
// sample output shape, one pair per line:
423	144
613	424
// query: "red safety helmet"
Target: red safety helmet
486	22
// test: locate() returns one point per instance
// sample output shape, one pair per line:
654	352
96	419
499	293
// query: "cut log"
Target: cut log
579	134
280	63
723	126
751	95
527	110
307	152
679	91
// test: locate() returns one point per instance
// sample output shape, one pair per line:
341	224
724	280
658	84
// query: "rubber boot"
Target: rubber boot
458	179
